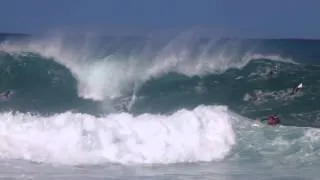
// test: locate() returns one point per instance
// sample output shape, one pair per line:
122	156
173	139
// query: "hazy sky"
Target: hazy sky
282	18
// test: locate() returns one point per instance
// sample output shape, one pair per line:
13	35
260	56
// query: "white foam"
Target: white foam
203	134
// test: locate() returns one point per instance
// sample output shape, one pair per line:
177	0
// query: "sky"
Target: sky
268	18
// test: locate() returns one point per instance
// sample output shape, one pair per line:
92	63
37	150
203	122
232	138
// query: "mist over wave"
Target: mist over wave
111	67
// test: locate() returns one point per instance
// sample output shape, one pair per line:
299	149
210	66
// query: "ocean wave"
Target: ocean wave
117	72
202	134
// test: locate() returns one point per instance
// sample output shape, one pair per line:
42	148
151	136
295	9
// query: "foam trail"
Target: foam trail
203	134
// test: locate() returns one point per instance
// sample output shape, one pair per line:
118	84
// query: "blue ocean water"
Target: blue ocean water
128	107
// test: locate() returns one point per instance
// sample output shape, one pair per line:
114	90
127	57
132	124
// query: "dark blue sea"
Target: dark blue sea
143	107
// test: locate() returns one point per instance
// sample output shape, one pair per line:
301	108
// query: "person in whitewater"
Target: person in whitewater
272	120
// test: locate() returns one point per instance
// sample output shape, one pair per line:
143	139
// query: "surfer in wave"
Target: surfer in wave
272	120
297	89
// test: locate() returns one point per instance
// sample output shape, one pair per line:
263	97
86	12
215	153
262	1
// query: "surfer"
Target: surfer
297	89
272	120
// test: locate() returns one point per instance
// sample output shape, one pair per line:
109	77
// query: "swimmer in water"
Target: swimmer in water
272	120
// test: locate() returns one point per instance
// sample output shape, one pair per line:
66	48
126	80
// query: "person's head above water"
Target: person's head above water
273	120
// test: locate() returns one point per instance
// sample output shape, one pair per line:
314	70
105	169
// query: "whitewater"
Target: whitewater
192	108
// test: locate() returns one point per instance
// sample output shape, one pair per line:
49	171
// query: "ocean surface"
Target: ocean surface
142	107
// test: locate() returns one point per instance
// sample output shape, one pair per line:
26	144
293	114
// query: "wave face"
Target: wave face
190	99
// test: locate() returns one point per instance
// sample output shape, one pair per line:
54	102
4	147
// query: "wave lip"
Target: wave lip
202	134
